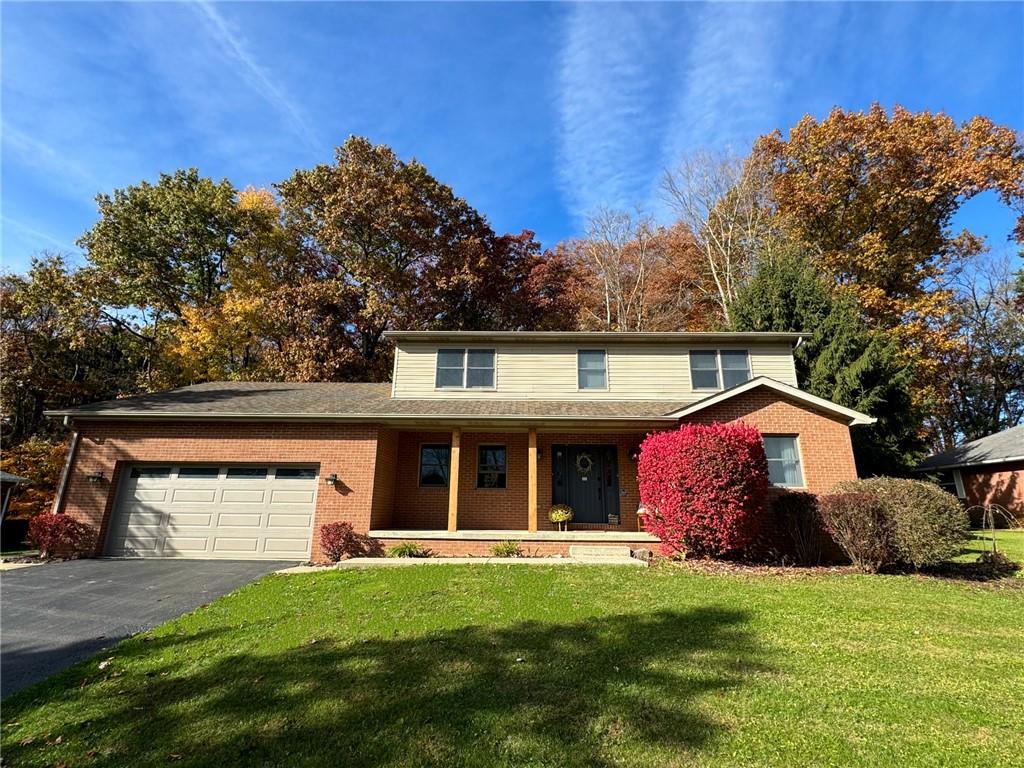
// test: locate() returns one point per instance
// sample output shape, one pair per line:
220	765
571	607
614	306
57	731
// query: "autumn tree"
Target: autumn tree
841	359
724	201
872	197
638	275
58	348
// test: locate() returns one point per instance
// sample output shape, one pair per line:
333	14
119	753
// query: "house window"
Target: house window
952	481
783	461
490	466
465	369
199	473
152	472
719	369
592	369
435	461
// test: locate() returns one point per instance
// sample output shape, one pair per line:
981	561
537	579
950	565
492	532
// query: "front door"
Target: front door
586	477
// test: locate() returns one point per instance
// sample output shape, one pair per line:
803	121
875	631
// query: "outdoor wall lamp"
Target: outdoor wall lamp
95	477
331	479
634	453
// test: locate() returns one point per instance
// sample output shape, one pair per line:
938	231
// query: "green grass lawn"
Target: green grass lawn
565	666
1010	543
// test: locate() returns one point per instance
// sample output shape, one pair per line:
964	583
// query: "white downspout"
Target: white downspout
58	500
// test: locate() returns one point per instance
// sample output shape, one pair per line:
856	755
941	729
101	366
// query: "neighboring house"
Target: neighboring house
989	470
478	434
8	483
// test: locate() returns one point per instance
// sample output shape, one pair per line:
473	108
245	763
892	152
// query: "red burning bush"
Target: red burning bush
339	541
704	487
59	534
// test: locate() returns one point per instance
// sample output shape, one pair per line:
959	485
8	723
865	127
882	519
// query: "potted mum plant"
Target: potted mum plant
560	515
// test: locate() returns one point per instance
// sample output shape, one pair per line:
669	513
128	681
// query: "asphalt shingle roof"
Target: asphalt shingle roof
258	398
1002	446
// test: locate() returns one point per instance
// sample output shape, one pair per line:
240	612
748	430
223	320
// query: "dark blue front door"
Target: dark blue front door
586	477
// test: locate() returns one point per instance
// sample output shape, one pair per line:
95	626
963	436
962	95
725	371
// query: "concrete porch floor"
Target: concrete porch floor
593	537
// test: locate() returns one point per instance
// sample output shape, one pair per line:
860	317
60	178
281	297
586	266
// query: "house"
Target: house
989	470
477	435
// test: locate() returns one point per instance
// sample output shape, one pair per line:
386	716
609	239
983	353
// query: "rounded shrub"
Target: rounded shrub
927	525
59	535
704	488
857	521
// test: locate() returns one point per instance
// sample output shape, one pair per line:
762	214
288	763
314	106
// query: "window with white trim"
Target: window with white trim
952	481
783	454
464	369
592	369
719	368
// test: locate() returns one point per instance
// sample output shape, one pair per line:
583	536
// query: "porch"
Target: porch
472	483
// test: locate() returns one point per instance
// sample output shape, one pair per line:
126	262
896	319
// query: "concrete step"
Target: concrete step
607	554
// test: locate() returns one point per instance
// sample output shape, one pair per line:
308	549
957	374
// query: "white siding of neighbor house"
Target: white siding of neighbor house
547	371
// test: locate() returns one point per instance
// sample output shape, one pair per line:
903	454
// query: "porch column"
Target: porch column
531	463
453	482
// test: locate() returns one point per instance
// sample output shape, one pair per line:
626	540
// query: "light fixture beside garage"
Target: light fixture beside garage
331	479
95	477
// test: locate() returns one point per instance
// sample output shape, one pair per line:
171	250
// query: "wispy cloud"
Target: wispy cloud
31	152
607	95
235	46
34	237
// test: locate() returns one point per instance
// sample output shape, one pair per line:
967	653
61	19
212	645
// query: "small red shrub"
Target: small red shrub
704	487
59	534
339	541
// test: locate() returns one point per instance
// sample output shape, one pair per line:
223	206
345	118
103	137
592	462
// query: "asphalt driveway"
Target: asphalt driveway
54	615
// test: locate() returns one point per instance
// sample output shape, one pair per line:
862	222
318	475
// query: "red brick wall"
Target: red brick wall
350	451
415	507
385	472
1001	484
826	453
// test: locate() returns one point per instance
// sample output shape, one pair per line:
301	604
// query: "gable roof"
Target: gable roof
851	416
1007	445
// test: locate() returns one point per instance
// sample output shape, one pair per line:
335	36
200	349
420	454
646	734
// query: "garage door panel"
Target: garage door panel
149	494
289	520
185	544
194	495
239	520
206	511
242	496
235	544
177	520
279	496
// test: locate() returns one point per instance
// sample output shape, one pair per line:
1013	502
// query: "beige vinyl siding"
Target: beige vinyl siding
548	371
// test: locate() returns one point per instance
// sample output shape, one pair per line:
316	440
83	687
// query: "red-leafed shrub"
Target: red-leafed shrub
59	534
704	487
338	541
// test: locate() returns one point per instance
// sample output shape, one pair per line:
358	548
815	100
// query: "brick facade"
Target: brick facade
378	468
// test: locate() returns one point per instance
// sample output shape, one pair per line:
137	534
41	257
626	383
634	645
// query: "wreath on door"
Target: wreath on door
584	464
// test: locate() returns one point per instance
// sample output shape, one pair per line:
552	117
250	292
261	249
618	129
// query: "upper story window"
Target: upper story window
719	368
465	369
783	461
592	369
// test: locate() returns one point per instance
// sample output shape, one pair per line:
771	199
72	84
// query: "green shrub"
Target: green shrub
407	549
507	549
798	517
927	524
859	524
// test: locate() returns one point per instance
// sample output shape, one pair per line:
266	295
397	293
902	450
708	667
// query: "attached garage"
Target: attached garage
214	511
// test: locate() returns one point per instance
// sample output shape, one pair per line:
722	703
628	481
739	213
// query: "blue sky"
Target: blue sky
534	113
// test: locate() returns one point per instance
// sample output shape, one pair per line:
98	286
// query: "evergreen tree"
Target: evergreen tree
842	359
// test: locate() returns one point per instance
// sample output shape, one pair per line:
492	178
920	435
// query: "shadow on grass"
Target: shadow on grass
585	694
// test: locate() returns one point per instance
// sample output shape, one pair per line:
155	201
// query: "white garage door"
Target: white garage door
239	512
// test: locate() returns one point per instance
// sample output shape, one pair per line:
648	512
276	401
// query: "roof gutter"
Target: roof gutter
361	417
962	465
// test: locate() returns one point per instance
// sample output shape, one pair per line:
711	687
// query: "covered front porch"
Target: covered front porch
475	483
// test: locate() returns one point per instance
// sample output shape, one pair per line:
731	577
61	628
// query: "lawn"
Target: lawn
1010	543
564	666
